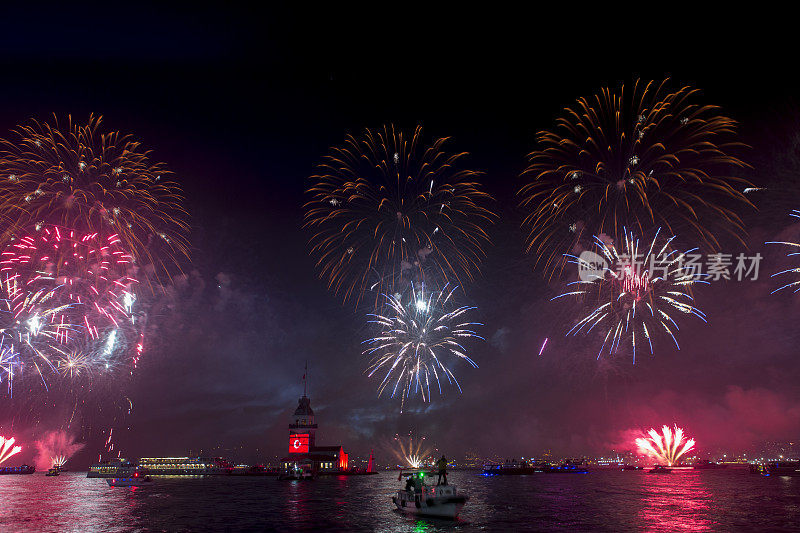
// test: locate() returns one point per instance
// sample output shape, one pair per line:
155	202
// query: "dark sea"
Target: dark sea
724	500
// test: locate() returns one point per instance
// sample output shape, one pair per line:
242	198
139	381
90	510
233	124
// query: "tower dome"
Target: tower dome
303	416
304	408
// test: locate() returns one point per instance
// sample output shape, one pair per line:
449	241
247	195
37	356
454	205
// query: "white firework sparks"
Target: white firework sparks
634	294
794	283
419	335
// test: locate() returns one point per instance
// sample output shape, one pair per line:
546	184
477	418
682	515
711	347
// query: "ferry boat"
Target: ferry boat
17	470
440	501
161	466
513	468
658	469
185	466
114	468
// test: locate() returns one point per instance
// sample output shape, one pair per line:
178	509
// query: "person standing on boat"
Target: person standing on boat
442	464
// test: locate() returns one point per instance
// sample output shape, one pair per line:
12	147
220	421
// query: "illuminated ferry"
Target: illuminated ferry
161	466
113	468
185	466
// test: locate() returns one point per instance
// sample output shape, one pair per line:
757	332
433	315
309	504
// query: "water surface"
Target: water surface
728	500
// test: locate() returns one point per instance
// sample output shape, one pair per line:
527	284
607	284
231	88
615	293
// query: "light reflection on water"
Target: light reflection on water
600	501
676	502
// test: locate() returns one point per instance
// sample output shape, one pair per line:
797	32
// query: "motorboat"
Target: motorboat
296	476
440	501
53	472
304	473
135	480
658	469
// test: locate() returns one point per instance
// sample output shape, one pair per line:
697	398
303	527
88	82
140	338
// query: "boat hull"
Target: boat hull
439	501
439	510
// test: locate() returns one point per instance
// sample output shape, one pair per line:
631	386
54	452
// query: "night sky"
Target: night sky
241	105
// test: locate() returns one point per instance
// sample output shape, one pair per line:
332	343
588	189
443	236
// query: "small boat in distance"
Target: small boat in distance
779	468
300	475
658	469
298	472
53	471
10	470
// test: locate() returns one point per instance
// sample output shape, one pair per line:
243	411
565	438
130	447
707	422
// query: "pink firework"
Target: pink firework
55	448
668	447
67	294
92	271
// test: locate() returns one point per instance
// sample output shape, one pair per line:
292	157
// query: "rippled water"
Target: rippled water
729	500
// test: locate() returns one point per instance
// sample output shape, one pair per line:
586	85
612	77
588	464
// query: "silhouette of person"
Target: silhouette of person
442	464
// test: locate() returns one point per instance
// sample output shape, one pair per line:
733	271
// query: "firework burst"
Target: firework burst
32	324
639	158
385	207
420	334
73	364
413	454
55	448
7	448
633	295
74	175
794	283
666	448
67	300
93	273
9	363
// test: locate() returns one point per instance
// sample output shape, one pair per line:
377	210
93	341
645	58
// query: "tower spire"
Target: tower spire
305	379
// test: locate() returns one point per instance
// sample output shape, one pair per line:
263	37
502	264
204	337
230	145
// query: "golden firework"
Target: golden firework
73	175
386	207
637	158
